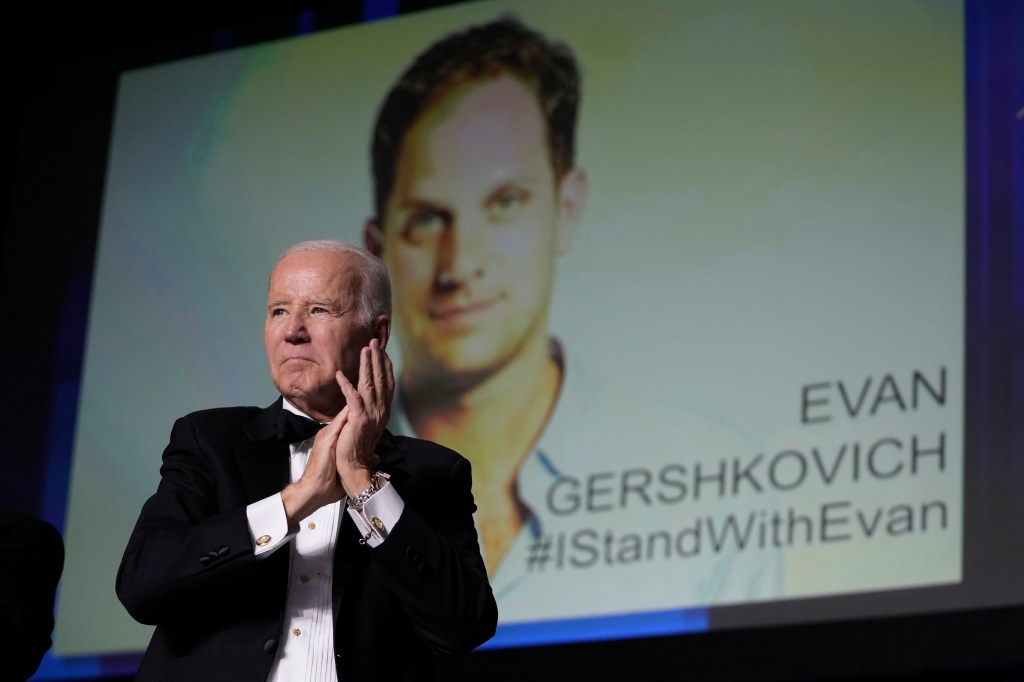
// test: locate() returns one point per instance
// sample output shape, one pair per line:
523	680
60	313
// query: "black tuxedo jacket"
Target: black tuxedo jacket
189	567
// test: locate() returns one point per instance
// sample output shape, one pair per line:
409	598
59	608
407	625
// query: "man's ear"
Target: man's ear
382	330
572	199
373	237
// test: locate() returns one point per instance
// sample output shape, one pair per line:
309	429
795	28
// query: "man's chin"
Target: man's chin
318	398
446	374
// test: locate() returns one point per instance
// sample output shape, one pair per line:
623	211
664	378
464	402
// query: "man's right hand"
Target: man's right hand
319	484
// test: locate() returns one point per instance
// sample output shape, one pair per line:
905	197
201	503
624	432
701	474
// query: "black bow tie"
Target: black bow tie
293	428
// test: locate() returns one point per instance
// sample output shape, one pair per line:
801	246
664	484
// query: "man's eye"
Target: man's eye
317	310
424	226
506	204
277	312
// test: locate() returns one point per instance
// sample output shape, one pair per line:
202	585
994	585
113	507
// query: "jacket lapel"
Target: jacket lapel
392	460
262	458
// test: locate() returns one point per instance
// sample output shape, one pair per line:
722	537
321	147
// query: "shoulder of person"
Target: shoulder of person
418	450
221	416
222	422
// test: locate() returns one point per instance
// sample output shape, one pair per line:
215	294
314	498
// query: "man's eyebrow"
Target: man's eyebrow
325	302
423	201
420	203
529	180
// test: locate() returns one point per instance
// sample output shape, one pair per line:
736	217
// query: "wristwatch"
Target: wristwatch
357	502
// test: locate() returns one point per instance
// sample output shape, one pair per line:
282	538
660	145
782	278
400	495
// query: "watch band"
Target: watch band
359	500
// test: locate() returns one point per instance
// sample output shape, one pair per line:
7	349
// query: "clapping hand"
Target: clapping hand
361	422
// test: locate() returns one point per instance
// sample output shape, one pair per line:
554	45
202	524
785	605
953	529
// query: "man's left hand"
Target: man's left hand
366	412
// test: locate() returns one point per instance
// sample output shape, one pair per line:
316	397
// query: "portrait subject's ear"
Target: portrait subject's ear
572	199
373	237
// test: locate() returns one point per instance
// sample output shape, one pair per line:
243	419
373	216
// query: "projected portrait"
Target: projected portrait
477	194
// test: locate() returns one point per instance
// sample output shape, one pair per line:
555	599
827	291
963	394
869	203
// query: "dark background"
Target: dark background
61	63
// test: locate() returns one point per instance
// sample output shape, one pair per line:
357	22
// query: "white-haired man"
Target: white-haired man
303	541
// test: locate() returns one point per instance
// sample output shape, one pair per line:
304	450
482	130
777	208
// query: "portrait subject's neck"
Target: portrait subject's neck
494	422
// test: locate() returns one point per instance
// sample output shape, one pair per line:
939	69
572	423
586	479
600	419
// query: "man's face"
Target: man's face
471	231
314	328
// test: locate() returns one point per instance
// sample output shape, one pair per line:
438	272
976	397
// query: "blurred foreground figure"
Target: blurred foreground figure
31	561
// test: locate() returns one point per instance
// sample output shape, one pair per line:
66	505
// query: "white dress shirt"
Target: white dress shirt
306	649
593	430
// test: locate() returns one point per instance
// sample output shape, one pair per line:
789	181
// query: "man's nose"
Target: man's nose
295	329
462	256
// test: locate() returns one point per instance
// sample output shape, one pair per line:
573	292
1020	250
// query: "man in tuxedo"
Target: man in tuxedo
304	541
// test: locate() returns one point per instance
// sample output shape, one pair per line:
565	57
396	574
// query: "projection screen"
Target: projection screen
757	314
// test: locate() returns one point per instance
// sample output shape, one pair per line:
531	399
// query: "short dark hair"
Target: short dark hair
503	46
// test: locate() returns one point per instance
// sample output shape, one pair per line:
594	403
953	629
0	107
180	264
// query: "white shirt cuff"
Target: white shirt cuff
268	525
379	515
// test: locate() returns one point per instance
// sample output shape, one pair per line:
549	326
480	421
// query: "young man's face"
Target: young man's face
471	231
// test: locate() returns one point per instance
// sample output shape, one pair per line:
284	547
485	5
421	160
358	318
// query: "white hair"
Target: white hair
375	292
